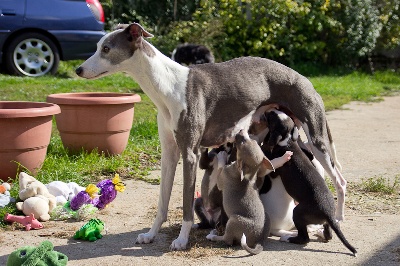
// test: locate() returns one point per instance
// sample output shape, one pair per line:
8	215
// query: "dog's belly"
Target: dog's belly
218	132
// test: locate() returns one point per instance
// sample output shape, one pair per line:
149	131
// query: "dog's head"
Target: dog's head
250	158
281	129
114	49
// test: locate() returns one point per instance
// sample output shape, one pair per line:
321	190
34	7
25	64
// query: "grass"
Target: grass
380	185
143	151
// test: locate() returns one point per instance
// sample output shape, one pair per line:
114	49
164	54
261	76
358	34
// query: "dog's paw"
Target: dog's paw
144	238
287	156
285	238
195	226
222	157
178	244
211	236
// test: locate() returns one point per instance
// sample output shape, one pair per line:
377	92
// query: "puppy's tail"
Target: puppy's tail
335	227
253	251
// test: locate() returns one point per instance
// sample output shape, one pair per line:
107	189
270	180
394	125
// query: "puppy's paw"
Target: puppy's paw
179	244
145	238
285	238
288	155
222	157
211	236
195	226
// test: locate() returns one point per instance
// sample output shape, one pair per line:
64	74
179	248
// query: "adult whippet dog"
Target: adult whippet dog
206	106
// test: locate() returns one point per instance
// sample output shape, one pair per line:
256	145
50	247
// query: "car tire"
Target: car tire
33	55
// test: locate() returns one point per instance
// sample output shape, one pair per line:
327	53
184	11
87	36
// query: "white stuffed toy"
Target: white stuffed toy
63	191
38	205
42	202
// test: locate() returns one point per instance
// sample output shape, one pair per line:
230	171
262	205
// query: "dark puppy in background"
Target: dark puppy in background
302	182
192	54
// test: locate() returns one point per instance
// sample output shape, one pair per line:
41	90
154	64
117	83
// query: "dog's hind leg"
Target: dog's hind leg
169	160
300	222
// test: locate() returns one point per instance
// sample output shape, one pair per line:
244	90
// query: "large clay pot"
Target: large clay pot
25	131
95	120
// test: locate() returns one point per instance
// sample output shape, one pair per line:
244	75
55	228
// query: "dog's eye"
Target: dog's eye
106	49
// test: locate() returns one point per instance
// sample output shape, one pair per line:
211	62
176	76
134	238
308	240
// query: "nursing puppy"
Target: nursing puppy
302	182
208	207
247	221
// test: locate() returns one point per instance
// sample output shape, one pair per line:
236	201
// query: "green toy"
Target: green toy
44	255
90	231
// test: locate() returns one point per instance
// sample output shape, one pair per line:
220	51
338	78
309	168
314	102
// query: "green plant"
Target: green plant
380	185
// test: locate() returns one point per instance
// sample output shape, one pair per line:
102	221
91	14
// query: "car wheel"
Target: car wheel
33	55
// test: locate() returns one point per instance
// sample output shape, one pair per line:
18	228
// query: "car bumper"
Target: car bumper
77	45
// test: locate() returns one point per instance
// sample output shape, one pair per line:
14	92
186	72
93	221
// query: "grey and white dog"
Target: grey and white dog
206	106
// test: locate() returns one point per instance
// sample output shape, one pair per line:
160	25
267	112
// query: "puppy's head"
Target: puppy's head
115	48
250	157
281	129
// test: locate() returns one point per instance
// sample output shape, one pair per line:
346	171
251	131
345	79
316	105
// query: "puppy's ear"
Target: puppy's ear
135	31
266	167
267	164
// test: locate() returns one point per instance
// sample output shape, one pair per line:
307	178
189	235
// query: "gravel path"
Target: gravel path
367	139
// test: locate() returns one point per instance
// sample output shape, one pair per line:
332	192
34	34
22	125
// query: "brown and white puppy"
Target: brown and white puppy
247	221
302	182
206	105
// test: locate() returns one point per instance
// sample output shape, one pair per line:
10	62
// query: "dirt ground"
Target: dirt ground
368	145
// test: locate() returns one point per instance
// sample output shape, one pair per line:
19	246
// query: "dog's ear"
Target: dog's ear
135	31
266	167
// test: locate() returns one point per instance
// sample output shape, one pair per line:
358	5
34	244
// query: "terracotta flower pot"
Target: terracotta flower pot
90	120
25	131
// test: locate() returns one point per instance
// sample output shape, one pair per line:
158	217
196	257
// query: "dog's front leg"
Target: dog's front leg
190	160
169	160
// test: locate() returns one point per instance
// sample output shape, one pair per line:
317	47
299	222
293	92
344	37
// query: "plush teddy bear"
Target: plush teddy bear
30	187
63	191
39	206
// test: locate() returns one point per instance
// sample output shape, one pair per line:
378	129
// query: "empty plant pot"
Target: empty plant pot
95	120
25	131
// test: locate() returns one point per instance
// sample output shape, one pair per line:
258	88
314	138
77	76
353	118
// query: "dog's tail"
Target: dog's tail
333	148
336	228
253	251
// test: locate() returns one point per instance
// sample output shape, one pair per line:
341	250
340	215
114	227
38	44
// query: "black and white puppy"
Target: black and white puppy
302	181
192	54
208	207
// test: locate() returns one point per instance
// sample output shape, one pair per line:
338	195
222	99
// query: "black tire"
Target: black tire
33	55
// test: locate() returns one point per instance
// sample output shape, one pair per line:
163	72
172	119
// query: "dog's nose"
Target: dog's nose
79	71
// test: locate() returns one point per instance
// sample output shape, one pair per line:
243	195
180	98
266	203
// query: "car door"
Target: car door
12	14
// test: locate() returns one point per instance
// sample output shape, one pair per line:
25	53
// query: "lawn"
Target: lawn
143	151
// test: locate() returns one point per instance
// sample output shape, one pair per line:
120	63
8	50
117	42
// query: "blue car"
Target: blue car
36	34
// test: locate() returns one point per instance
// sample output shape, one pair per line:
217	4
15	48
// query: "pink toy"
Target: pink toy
28	221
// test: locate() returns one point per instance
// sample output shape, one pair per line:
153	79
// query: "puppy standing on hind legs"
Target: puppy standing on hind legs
302	182
247	220
206	105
